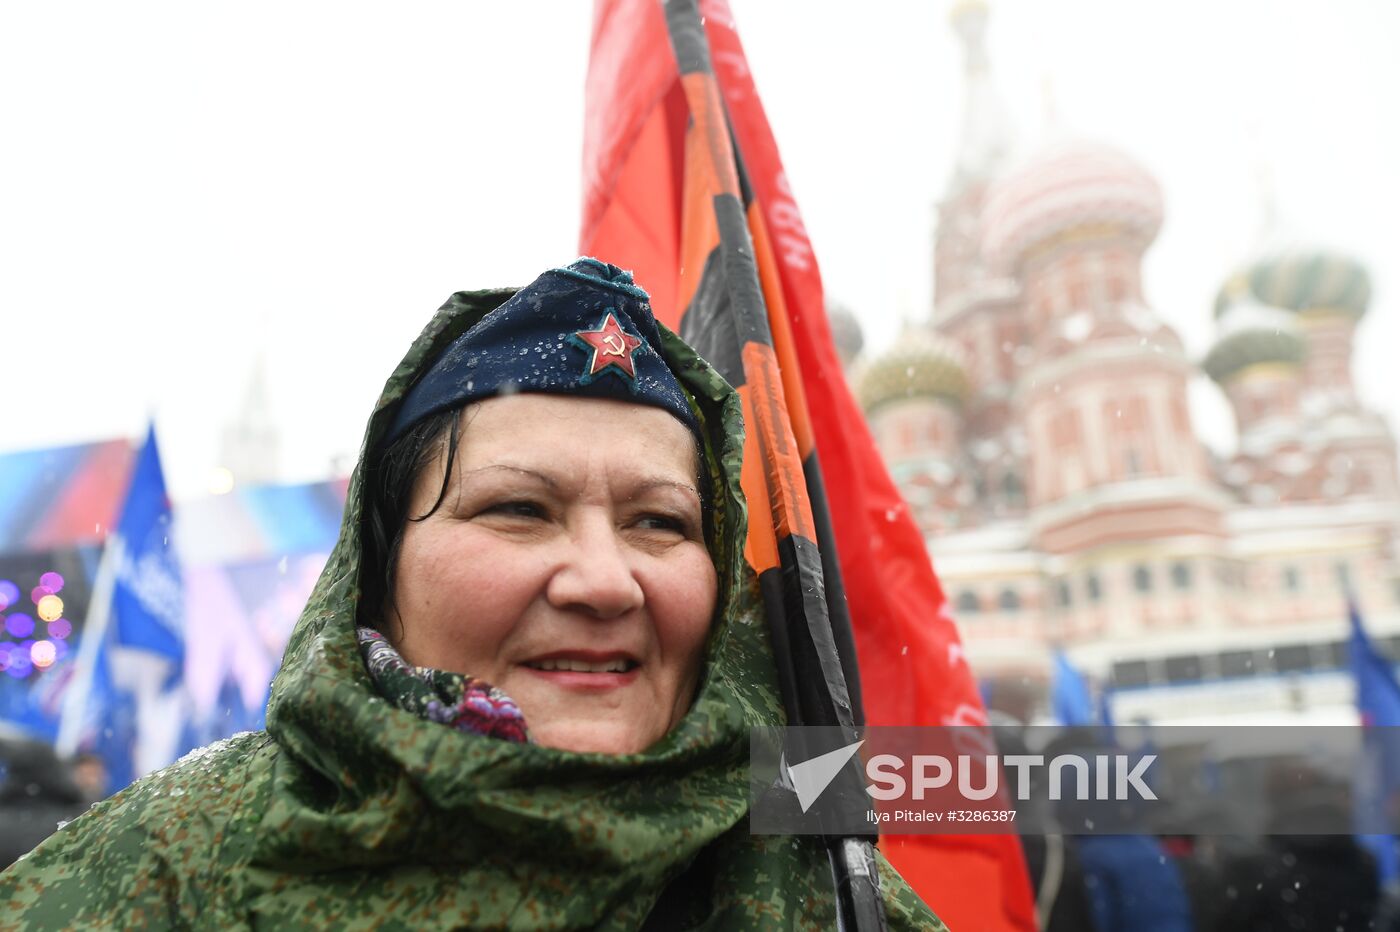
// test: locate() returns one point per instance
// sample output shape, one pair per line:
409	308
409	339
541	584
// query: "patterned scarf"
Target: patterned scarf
452	699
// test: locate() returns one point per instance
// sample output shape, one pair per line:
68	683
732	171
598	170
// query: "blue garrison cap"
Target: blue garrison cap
585	330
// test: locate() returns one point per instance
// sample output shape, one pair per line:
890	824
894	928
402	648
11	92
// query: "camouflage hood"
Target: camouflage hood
352	813
379	786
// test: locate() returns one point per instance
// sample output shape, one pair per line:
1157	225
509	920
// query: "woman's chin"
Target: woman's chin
606	737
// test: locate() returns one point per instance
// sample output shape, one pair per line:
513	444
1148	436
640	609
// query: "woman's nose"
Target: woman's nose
595	576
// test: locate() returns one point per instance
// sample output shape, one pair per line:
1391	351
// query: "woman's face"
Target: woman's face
566	565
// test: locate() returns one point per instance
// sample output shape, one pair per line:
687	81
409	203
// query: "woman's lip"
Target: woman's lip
579	680
591	657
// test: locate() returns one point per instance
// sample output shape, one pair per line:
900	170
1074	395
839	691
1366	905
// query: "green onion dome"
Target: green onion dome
922	365
1301	280
1252	333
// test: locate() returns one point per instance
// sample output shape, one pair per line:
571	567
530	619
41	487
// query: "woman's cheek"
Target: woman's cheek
692	596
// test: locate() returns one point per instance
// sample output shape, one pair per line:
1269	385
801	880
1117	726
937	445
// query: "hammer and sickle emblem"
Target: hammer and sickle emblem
615	346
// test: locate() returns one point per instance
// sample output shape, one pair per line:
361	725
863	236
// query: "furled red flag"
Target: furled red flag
672	126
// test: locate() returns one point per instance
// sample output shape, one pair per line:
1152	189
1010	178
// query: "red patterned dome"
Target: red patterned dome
1070	186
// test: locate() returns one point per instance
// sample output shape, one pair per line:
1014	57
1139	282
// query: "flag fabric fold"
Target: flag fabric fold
1071	702
683	184
1377	781
127	699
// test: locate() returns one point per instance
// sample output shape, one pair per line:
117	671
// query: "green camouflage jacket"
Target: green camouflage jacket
351	813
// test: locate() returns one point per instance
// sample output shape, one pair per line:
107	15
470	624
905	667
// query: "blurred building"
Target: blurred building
1038	425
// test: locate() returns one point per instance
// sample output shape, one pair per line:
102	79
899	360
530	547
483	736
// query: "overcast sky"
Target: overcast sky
192	185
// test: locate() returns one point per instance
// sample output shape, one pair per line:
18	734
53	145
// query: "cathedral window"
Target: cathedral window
1009	601
1237	663
1183	668
1063	596
1292	658
1292	579
1093	588
1078	293
968	603
1142	578
1127	673
905	438
1181	575
1013	489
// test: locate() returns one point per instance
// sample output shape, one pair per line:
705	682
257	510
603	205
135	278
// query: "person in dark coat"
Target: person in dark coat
1052	861
1131	882
1299	880
37	795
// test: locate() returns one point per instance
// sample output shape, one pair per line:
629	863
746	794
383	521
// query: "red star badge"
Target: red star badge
611	346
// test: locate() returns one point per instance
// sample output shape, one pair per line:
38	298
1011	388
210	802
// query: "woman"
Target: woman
521	693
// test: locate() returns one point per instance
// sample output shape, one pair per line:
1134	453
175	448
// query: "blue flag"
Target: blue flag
1378	777
1070	700
127	703
148	600
1377	692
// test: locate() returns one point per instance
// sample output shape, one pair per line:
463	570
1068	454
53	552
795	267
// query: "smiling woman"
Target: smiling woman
570	570
522	692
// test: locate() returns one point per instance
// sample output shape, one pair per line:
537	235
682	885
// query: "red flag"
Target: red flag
646	207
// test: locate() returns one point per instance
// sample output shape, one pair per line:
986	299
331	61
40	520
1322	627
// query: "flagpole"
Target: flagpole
95	626
811	675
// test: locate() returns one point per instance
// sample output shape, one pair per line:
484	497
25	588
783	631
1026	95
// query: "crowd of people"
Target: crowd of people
1190	876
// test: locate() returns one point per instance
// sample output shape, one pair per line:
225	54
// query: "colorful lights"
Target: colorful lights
19	625
23	649
15	660
50	607
42	654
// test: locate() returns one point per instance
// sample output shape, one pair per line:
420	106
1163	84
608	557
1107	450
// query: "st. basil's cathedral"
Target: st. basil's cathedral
1038	426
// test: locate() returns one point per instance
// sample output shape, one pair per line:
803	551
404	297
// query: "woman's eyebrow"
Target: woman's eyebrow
518	470
643	484
657	482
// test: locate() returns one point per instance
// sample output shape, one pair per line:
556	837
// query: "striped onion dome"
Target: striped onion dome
1251	333
1301	280
922	365
1074	184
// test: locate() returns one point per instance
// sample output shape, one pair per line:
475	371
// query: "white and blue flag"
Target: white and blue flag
128	699
1376	783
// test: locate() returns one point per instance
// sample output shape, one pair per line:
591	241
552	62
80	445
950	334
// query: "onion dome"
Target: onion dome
1252	333
922	365
1303	280
845	332
1299	279
1071	185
